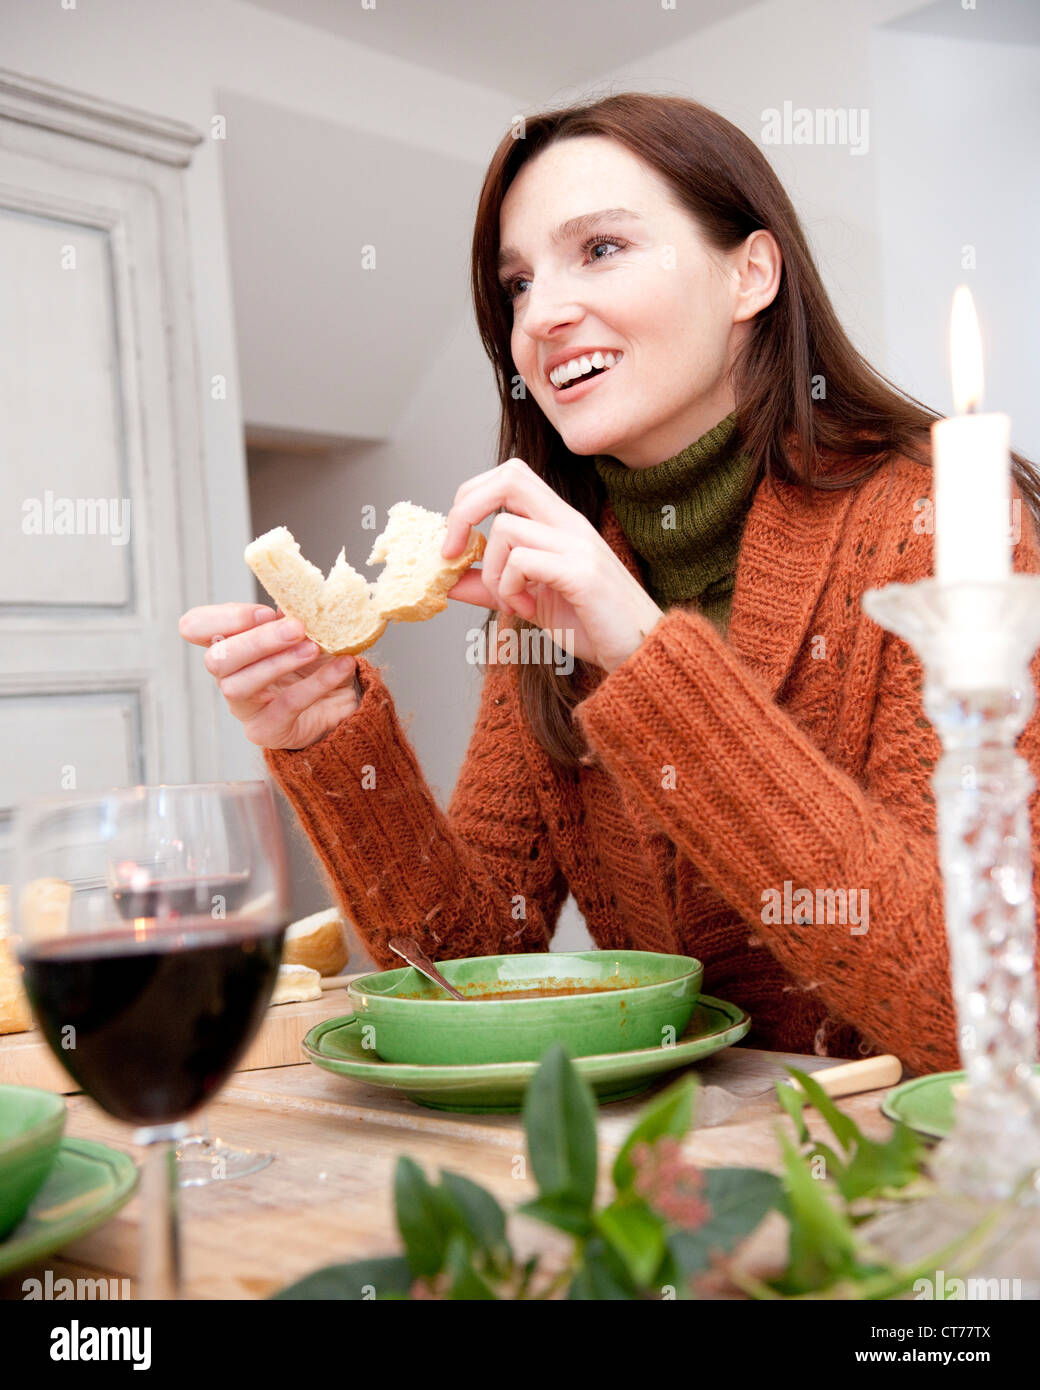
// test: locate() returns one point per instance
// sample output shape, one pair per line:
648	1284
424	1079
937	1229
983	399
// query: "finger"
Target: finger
512	485
230	654
303	693
471	589
201	625
245	684
527	566
508	530
336	707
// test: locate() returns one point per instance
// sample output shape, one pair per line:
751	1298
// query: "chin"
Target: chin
585	443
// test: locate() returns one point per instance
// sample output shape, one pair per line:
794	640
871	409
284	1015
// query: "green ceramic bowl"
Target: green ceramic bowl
31	1126
640	998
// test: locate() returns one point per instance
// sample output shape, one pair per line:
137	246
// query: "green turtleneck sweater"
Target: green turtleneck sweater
689	554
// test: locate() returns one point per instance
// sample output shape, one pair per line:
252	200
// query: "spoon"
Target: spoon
413	953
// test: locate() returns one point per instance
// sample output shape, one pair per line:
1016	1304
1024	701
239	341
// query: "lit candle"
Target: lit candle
972	467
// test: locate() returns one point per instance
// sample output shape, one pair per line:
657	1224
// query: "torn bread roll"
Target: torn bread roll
344	613
318	941
15	1014
296	984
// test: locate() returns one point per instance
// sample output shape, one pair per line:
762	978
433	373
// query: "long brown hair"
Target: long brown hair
729	188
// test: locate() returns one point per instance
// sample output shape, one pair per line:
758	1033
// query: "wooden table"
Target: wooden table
328	1196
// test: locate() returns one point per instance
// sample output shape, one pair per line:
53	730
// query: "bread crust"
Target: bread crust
435	599
298	587
319	941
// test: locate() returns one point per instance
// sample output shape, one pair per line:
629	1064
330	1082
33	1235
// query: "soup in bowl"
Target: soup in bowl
515	1006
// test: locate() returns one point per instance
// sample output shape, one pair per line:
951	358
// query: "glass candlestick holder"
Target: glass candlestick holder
976	642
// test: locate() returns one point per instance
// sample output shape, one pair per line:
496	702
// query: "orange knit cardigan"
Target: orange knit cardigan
794	751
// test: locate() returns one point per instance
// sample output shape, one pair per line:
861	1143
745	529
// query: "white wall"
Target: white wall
957	126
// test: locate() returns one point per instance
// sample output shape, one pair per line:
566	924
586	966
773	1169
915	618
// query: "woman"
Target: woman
698	521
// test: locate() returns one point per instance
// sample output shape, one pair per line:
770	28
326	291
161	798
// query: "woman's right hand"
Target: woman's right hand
285	691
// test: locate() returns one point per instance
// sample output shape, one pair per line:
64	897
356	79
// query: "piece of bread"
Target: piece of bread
296	984
345	613
15	1014
337	612
44	906
318	941
416	579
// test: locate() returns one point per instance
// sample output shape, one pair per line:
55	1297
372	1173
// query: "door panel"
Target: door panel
102	518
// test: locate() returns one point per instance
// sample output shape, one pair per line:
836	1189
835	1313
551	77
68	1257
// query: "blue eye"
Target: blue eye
509	287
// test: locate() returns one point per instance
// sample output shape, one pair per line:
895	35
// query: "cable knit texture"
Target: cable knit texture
793	750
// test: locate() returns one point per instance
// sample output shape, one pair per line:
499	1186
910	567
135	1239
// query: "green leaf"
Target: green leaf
794	1103
738	1198
565	1216
872	1165
360	1281
560	1119
526	1275
670	1113
466	1283
601	1275
425	1219
636	1234
480	1214
822	1243
876	1166
843	1127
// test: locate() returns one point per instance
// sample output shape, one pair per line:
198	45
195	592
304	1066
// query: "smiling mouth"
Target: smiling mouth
596	371
613	359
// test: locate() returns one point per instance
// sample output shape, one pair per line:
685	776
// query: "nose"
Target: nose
549	305
544	324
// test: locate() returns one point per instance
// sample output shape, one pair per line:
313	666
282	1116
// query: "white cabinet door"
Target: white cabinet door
101	500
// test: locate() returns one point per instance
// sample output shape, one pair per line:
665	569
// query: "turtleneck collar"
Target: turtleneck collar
684	517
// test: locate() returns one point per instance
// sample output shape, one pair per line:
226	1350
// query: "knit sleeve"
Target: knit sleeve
477	880
754	803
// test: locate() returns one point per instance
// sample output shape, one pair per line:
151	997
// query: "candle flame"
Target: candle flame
141	928
965	353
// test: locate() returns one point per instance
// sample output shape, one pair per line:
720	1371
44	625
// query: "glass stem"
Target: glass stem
160	1253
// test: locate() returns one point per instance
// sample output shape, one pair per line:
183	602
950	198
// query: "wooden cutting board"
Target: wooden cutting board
26	1060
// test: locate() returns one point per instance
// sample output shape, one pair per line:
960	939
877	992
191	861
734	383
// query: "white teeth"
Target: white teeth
580	366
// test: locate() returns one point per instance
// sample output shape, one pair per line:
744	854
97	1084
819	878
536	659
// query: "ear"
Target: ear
758	264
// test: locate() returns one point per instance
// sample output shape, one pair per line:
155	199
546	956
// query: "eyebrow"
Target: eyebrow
575	227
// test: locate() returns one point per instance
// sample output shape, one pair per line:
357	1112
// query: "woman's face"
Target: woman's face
644	284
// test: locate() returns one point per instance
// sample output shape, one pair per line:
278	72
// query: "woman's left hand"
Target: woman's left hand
547	563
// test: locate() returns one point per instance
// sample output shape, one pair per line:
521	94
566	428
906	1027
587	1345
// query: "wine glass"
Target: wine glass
199	846
149	922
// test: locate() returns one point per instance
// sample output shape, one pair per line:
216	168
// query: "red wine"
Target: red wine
182	897
160	1022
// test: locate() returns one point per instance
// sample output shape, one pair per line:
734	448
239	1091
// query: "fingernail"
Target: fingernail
261	615
292	630
307	648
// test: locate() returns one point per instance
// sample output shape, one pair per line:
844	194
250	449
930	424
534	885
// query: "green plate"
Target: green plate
88	1183
926	1103
335	1045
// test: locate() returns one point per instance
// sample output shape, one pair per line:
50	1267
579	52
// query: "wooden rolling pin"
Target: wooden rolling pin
850	1078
